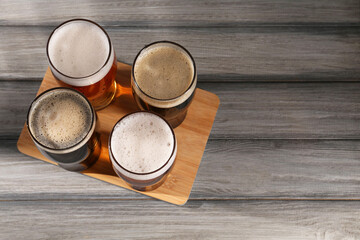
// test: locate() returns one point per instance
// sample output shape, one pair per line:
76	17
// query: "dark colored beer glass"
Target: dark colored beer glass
164	80
61	122
142	149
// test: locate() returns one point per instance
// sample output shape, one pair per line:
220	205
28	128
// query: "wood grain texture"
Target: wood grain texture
230	169
247	110
221	54
287	110
182	13
274	141
197	220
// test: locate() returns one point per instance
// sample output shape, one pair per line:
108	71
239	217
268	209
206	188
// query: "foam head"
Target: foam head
164	71
79	49
142	142
60	119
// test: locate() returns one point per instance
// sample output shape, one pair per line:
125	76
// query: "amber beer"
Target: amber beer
142	149
61	122
164	80
81	55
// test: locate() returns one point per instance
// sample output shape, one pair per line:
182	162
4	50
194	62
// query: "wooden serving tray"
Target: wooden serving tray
191	135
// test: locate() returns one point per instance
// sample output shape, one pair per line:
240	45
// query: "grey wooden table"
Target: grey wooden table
283	158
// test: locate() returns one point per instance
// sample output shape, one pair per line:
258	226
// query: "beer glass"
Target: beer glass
81	55
142	149
61	122
164	79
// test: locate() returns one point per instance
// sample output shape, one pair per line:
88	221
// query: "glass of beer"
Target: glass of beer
164	79
61	122
81	55
142	149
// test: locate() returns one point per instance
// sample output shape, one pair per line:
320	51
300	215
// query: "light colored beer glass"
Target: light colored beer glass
81	56
61	122
142	149
164	80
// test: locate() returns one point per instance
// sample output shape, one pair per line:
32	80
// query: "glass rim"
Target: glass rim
136	173
55	89
74	20
159	42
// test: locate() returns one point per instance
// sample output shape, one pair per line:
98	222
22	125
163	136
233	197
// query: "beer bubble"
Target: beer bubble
80	49
170	75
60	124
148	137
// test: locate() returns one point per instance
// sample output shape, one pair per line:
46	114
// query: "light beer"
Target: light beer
61	122
164	80
142	149
81	55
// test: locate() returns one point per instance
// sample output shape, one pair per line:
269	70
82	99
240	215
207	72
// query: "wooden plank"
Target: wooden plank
23	177
193	133
134	219
287	110
221	54
230	169
280	169
181	13
247	110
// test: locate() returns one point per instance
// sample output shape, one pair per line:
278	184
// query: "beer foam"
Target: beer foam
142	143
79	49
60	119
164	71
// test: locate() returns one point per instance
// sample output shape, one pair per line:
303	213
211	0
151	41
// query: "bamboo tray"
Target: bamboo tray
191	135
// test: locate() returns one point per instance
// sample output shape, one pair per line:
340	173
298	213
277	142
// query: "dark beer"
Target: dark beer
164	80
61	122
142	149
81	56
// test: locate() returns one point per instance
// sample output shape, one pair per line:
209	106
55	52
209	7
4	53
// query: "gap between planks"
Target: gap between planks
245	199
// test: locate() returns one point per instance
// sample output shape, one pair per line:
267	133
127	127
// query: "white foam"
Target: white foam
174	100
142	143
79	49
60	119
